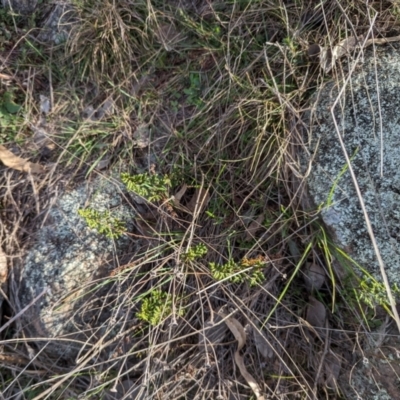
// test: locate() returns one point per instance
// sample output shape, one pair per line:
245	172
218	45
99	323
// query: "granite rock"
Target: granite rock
368	121
67	258
20	6
58	24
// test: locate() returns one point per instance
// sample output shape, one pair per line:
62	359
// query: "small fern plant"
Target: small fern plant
156	307
152	187
195	252
230	271
373	293
103	222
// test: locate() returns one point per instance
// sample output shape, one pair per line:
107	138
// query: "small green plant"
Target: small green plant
103	222
231	271
152	187
10	121
193	92
373	293
195	252
156	307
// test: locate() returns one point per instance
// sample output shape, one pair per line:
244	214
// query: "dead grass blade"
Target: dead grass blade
3	267
20	164
240	335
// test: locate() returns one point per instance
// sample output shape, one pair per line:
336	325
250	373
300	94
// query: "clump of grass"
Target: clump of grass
225	97
112	40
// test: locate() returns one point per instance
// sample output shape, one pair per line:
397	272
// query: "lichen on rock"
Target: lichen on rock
66	257
368	120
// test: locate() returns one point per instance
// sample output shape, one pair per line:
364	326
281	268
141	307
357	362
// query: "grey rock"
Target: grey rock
370	101
58	24
20	6
66	258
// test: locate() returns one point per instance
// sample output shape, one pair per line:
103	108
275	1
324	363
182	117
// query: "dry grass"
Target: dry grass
220	90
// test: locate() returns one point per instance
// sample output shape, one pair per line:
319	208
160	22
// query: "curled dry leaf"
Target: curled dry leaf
240	335
254	227
316	313
199	200
178	196
12	161
328	57
314	276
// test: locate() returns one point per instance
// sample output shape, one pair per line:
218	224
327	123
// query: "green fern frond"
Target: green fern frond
103	222
152	187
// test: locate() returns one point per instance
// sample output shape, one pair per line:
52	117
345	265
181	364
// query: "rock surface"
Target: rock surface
66	257
368	120
20	6
58	24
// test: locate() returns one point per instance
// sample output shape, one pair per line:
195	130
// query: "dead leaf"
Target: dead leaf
263	345
338	51
12	161
314	277
103	163
3	267
240	335
199	200
178	196
316	313
254	227
332	366
329	56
